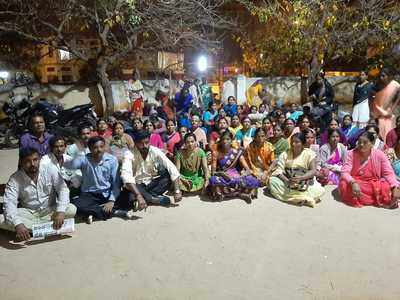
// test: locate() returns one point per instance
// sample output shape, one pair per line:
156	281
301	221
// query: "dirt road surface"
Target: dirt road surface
202	250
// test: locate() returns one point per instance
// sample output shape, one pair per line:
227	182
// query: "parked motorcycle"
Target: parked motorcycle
16	114
58	120
65	121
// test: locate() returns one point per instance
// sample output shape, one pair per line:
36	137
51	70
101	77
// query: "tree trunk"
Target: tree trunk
304	89
312	67
106	85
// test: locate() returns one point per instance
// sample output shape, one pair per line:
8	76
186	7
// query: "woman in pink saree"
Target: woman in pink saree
385	102
368	178
331	157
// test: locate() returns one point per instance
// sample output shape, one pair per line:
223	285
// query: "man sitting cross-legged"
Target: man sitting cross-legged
34	194
100	185
147	173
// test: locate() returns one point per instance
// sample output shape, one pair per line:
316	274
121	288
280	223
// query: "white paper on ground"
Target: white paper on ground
40	231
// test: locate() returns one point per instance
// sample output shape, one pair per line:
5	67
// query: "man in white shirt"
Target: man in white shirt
164	85
41	194
57	157
80	147
194	91
147	173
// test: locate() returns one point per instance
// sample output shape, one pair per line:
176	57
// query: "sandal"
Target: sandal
218	197
187	184
246	198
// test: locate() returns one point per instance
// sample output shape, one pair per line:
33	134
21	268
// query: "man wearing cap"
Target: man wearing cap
147	173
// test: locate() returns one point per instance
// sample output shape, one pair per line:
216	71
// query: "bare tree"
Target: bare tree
121	26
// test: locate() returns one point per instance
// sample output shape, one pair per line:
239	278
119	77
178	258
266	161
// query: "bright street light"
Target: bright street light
4	74
202	63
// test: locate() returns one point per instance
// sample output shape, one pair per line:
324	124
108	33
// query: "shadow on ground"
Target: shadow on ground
7	240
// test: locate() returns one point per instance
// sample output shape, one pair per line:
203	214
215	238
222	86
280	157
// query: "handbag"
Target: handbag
297	172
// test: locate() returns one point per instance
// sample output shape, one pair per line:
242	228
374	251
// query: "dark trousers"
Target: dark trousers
150	192
92	204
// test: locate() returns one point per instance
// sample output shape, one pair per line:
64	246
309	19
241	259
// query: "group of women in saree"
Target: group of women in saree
294	174
285	157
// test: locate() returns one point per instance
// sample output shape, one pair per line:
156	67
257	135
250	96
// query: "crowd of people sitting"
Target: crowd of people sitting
224	151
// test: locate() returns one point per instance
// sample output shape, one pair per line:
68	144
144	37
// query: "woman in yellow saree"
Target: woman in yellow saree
293	180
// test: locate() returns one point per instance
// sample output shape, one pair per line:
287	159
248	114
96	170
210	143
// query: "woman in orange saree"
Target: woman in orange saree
260	157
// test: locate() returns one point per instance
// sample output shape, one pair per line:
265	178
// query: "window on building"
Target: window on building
67	78
52	78
51	69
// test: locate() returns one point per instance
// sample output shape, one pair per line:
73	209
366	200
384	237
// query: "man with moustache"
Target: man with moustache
80	147
37	137
34	194
147	174
57	157
100	185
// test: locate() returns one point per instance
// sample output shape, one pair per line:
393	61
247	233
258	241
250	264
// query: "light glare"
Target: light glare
202	63
4	74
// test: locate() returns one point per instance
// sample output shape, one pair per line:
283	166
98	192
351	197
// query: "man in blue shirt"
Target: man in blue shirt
100	184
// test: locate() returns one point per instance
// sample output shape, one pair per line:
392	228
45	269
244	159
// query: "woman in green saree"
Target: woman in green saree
191	162
279	142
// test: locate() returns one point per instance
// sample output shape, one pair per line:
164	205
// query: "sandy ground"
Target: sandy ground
202	250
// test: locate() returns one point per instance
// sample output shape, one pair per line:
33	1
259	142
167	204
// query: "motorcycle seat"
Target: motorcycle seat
78	108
